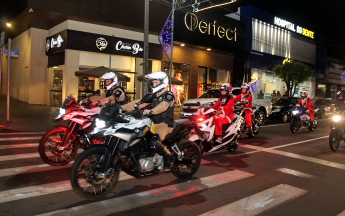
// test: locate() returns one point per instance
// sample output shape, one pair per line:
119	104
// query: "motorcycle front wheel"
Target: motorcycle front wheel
190	162
51	150
294	126
333	140
86	179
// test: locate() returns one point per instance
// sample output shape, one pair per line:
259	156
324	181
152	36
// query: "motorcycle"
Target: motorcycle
59	145
255	116
335	135
300	119
95	171
205	137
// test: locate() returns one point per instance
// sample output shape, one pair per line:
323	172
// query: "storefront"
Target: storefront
90	50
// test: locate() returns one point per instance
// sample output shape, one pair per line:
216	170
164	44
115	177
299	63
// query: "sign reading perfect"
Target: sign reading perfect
192	23
290	26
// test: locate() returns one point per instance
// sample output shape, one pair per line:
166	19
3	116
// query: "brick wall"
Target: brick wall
196	58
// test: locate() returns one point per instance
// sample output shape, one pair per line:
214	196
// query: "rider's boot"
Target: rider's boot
219	139
169	159
250	131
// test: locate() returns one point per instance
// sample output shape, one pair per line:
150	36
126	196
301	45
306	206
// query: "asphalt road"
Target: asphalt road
275	173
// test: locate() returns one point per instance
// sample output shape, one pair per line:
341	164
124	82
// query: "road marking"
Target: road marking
260	202
295	173
153	196
301	157
4	134
19	138
342	213
261	149
24	156
45	189
46	167
26	145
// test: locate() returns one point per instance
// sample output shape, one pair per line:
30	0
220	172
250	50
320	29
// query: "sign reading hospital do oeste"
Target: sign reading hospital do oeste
290	26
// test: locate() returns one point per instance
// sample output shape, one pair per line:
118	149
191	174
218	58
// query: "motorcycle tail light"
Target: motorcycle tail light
201	119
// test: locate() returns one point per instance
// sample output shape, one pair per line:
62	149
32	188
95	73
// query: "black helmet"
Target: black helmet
225	87
339	94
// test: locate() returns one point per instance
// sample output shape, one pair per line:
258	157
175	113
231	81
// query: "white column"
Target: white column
70	81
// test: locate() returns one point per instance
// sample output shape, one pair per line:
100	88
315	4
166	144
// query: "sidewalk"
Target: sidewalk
27	117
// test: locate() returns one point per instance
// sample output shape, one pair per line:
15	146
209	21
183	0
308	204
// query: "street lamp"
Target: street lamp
8	24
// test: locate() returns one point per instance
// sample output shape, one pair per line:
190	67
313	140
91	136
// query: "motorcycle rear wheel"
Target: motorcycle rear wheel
50	153
333	141
191	152
84	179
312	128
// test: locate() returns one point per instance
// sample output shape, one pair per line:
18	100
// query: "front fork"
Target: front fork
112	145
68	133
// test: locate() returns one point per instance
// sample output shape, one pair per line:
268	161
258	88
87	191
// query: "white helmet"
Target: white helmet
160	76
110	76
245	86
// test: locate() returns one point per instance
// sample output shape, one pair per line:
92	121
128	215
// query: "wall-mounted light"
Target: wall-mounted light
8	24
55	67
208	49
183	44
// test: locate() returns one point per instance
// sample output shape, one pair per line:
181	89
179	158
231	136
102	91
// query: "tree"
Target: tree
293	74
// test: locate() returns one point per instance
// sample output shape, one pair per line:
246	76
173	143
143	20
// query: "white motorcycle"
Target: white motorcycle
205	137
95	172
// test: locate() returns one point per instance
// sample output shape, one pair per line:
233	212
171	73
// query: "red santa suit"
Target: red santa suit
227	106
307	102
247	107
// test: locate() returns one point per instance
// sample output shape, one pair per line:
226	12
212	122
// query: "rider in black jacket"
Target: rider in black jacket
340	102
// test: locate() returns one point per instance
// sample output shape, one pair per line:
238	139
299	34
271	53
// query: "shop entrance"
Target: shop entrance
56	87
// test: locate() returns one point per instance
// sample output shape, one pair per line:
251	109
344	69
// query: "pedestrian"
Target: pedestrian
261	95
277	95
273	95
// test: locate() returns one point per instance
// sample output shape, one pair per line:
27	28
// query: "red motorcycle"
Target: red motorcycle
59	145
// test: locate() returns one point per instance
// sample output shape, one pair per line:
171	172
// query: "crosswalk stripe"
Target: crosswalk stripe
25	145
260	202
301	157
45	167
19	133
20	138
341	213
295	173
45	189
24	156
153	196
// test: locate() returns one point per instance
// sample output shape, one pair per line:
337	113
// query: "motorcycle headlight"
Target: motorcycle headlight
336	118
62	111
100	123
295	112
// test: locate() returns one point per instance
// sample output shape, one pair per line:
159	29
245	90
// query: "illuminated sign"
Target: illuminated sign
135	48
54	42
192	23
101	43
287	60
290	26
254	84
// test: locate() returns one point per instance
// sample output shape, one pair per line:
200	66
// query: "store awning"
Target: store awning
174	81
99	71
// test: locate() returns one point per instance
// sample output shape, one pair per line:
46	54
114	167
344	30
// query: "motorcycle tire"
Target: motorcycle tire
312	128
55	157
233	146
293	127
87	163
333	141
261	118
191	151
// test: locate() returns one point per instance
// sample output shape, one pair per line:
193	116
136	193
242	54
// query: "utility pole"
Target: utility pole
146	45
172	42
8	78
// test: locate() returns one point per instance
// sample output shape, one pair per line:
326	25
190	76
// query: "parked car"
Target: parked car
281	108
326	106
191	106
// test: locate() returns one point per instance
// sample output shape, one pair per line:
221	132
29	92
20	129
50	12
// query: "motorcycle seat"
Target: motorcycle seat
177	125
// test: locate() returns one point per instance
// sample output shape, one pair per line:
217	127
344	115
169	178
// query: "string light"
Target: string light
165	36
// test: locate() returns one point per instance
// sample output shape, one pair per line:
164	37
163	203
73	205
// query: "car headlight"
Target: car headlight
62	111
100	123
295	112
336	118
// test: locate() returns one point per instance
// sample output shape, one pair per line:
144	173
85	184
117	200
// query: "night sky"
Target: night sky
324	17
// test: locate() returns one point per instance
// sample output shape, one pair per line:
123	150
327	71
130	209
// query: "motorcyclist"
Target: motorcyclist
224	107
306	102
340	102
162	111
112	90
246	99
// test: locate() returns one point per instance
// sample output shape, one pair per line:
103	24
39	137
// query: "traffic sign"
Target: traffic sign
14	53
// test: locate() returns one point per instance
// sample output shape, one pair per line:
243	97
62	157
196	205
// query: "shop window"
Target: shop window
86	86
180	72
56	87
209	78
